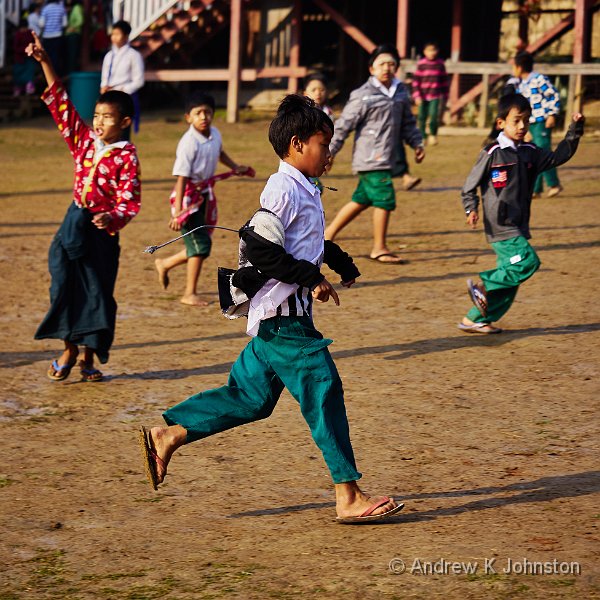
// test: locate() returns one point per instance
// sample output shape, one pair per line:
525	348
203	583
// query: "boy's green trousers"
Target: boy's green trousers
287	352
516	261
542	137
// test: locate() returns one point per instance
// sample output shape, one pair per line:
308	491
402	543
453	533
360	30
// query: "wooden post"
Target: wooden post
457	10
86	38
483	100
571	95
581	47
402	29
295	44
233	88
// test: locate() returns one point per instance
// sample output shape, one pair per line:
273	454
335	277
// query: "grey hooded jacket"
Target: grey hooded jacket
380	123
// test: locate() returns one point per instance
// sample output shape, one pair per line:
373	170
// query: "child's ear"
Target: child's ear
125	122
500	123
296	143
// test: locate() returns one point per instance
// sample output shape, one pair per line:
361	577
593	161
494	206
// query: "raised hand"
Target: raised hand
36	50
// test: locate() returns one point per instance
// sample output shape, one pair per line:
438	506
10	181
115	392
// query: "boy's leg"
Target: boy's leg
516	262
349	211
251	394
433	111
542	138
197	245
164	265
300	358
422	117
551	176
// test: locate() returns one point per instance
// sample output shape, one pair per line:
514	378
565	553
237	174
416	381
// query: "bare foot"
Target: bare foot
352	502
193	300
163	277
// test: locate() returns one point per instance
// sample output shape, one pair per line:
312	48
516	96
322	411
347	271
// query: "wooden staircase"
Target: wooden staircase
176	34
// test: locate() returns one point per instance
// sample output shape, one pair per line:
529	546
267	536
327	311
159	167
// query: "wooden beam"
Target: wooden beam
356	34
233	88
295	44
483	100
402	28
581	46
223	74
455	48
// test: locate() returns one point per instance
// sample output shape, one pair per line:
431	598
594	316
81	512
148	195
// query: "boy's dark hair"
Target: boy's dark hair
505	103
198	99
525	61
122	101
431	43
314	77
124	26
508	101
384	49
296	115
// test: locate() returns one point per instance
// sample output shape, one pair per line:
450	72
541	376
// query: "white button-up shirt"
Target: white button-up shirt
123	70
297	203
198	155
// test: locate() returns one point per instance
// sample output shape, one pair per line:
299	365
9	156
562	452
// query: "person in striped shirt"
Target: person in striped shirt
53	20
430	90
286	350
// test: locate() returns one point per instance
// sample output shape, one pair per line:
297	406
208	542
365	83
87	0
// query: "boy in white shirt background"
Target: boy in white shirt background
123	68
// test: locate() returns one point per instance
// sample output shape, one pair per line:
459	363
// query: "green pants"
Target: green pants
288	352
542	137
429	109
516	261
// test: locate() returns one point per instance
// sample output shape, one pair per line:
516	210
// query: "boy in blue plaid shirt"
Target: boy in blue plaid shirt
545	106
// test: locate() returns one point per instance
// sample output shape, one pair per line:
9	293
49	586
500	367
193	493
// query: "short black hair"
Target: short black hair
314	77
122	101
199	98
384	49
296	115
124	26
508	101
525	61
431	43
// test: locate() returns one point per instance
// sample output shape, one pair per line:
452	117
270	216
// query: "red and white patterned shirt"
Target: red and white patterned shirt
107	178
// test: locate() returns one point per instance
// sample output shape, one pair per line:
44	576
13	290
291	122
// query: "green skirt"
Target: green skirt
83	262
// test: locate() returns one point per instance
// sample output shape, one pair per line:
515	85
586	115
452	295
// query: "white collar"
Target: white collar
387	91
121	49
200	136
286	168
100	146
505	141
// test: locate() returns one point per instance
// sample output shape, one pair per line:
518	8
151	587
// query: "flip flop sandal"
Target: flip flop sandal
478	298
486	328
369	517
58	372
150	458
378	258
92	375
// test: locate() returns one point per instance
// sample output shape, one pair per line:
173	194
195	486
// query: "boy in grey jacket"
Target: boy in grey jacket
506	171
380	114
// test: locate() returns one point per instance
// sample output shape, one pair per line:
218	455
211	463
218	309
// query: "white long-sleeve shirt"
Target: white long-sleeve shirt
297	203
123	70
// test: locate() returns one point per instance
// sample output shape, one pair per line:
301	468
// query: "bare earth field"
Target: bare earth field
492	442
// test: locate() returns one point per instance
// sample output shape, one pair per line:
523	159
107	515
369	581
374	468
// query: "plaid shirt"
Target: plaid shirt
107	178
542	95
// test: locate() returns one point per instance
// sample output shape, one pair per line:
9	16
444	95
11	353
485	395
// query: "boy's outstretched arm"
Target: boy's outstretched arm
566	149
37	51
228	161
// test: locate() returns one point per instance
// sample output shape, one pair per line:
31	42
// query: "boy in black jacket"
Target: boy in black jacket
506	171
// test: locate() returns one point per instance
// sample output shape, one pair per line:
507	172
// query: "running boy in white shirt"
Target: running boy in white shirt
287	351
198	153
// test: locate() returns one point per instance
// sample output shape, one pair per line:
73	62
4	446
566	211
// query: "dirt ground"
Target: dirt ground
492	442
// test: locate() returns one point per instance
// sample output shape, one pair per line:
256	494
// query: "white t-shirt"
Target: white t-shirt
123	70
197	155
